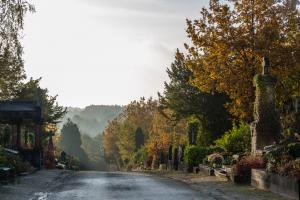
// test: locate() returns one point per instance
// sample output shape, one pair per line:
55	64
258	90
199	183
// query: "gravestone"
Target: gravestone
162	163
175	159
170	156
192	136
170	152
180	153
265	129
162	158
180	157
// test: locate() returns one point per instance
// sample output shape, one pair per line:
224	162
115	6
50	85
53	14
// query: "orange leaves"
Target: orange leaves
229	42
163	133
110	138
119	136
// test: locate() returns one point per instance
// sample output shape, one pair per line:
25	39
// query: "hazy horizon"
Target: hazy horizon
104	52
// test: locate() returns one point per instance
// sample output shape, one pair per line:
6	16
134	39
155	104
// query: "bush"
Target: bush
3	159
293	150
14	162
140	156
215	149
242	170
194	155
228	160
236	140
296	169
281	160
202	136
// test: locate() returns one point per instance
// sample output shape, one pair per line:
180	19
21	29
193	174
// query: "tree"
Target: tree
99	142
229	42
71	141
31	91
12	15
139	138
126	141
160	136
185	100
163	133
110	138
92	148
140	114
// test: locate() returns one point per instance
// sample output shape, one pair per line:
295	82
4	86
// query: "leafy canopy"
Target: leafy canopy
12	13
229	40
31	91
185	100
71	141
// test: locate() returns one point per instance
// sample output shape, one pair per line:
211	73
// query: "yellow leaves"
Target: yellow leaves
110	138
162	134
230	43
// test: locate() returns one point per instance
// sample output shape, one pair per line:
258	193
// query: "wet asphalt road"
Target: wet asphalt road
114	186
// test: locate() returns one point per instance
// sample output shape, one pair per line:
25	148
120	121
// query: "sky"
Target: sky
105	51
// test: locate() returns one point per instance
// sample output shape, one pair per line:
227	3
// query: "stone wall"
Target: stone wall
284	186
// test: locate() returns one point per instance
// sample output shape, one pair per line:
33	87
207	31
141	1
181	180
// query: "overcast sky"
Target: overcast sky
105	51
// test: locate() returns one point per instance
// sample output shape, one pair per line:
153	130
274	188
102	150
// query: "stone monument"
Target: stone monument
265	129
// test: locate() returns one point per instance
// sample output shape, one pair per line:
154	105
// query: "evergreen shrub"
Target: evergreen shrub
237	140
293	150
194	155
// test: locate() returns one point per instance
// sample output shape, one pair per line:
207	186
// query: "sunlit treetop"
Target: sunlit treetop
229	40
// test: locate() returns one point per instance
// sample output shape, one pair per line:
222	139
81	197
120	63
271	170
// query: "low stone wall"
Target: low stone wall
284	186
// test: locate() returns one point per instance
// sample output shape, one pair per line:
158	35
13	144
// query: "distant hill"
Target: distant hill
93	119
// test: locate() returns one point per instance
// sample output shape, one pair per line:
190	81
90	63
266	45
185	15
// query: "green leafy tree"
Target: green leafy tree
71	141
202	137
126	142
31	91
185	100
93	150
12	15
139	138
110	139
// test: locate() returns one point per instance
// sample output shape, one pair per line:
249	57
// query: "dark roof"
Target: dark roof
19	110
15	106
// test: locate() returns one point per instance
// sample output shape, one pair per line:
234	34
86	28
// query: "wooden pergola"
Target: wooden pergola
18	115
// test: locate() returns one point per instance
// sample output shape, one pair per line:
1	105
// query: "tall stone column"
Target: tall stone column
266	125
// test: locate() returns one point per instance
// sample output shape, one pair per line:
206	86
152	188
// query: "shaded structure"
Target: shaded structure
266	126
23	122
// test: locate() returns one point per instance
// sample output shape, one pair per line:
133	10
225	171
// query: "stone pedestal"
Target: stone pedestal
259	141
265	129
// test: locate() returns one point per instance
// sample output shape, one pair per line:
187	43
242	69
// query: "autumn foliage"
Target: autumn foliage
229	41
213	80
140	117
